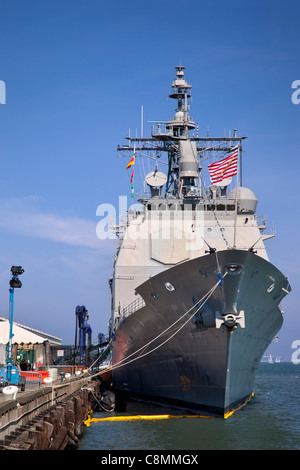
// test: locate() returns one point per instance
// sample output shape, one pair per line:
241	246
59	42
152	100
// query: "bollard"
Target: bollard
48	380
10	392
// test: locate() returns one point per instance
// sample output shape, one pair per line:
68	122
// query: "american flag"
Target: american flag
224	168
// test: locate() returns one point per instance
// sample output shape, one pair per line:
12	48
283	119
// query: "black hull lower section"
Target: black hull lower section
202	409
208	366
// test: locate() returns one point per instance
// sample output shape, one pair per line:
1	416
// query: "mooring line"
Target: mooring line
123	363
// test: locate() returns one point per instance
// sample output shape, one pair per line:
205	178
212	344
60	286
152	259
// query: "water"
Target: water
270	421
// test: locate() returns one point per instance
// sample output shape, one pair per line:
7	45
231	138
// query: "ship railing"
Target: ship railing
134	214
261	221
133	307
159	130
119	228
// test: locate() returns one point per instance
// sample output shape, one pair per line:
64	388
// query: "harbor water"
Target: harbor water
270	421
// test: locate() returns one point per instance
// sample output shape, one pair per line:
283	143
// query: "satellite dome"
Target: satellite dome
247	201
156	179
179	116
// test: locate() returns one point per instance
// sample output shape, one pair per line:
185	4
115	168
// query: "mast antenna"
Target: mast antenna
142	121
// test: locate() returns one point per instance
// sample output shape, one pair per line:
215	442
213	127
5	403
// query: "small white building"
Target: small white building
24	337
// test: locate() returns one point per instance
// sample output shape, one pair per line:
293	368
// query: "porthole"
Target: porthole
169	286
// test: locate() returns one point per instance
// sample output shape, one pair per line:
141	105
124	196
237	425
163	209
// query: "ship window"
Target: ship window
162	207
230	207
210	207
220	207
149	207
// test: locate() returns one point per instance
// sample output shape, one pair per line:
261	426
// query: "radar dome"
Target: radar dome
247	201
179	116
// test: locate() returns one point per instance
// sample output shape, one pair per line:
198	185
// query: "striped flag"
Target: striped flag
224	168
132	175
130	163
132	186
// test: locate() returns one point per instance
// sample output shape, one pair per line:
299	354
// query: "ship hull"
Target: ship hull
207	366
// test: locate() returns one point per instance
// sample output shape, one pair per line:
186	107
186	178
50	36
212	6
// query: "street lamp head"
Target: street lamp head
17	270
15	282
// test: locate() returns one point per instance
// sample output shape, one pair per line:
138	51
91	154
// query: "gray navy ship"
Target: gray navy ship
195	299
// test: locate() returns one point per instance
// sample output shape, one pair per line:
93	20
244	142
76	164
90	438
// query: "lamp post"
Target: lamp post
14	283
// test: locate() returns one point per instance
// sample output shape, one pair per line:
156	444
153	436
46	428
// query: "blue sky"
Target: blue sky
76	75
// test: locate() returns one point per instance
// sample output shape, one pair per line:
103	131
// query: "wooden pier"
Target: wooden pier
50	418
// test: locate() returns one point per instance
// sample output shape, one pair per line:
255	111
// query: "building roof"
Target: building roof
24	334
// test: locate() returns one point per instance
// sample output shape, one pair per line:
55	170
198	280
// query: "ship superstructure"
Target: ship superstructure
195	300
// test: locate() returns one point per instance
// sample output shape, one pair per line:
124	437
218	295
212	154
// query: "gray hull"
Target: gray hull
208	367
